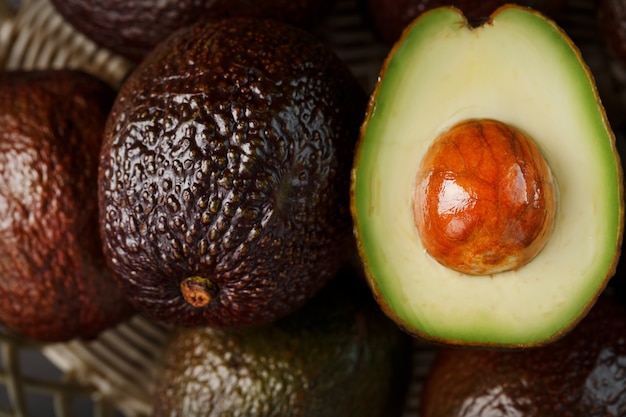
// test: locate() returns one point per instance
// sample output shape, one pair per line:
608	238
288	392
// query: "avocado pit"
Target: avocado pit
198	291
484	200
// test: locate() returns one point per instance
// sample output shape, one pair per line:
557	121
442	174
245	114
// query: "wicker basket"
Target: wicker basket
114	374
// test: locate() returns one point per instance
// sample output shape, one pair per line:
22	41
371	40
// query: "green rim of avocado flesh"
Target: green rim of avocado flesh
522	69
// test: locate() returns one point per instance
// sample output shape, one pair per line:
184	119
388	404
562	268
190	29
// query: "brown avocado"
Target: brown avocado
133	28
54	281
390	18
224	175
580	375
338	356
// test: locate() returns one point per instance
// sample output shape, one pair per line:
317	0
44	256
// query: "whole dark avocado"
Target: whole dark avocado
133	28
54	281
224	175
391	17
339	356
581	375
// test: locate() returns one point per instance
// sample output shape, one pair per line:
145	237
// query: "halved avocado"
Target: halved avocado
522	71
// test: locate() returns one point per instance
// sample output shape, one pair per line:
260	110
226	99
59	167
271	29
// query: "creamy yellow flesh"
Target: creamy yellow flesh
518	69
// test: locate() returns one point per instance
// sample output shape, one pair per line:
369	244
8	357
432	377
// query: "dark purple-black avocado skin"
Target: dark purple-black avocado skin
582	374
133	28
227	156
390	18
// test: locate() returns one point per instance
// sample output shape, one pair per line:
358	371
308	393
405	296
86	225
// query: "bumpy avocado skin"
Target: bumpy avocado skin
54	281
227	156
581	375
337	357
134	28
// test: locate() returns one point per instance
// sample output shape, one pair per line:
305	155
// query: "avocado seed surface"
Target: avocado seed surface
485	199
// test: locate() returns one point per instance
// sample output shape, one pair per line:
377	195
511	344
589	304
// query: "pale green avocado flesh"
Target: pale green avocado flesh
521	69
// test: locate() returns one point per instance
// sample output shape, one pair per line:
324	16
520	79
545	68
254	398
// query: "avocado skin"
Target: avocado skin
55	284
133	28
232	163
581	375
338	356
612	25
390	18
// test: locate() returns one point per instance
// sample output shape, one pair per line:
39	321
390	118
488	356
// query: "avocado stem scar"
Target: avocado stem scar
198	291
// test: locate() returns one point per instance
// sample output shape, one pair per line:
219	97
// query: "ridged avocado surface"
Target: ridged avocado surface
224	176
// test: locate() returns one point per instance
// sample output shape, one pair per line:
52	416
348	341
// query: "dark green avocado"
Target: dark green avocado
224	175
339	356
134	28
54	281
580	375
